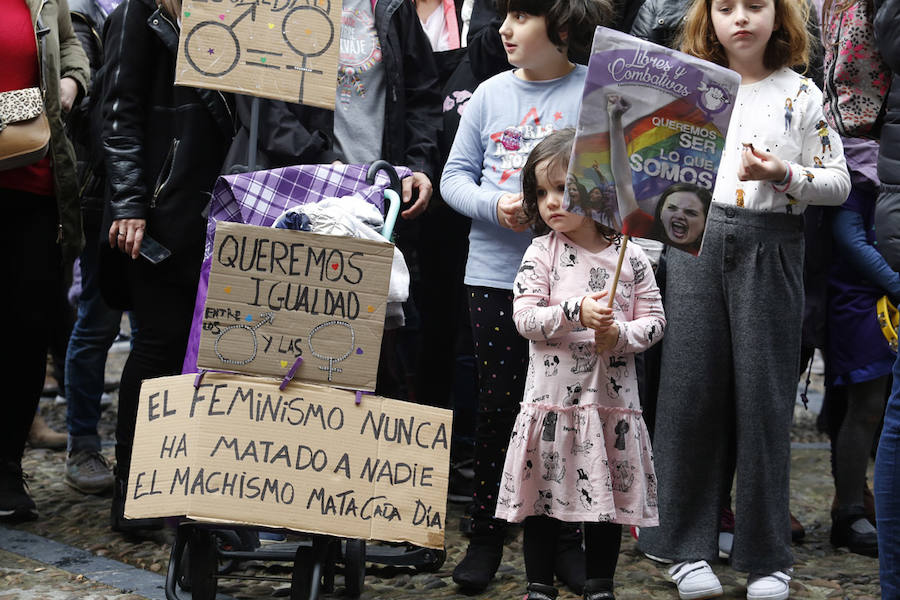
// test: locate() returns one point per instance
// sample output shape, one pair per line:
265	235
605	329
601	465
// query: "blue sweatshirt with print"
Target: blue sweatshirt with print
505	118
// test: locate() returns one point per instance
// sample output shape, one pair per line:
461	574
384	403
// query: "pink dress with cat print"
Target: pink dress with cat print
579	449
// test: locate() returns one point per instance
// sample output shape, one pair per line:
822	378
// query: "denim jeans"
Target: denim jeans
887	494
95	330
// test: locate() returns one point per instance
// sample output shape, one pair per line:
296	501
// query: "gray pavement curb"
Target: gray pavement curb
81	562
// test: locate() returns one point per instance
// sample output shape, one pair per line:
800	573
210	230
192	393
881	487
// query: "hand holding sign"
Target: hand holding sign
593	314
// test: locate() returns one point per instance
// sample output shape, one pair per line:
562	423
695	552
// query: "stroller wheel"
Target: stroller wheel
354	567
432	560
202	564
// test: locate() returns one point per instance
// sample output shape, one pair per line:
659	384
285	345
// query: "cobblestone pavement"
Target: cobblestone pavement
81	522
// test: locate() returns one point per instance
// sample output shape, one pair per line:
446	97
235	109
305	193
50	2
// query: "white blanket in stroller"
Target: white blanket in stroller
353	216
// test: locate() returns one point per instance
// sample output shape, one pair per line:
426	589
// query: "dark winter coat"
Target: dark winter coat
294	134
887	211
887	27
163	144
87	20
60	55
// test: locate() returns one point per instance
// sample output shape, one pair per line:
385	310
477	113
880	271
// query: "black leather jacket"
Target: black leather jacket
658	21
87	20
163	144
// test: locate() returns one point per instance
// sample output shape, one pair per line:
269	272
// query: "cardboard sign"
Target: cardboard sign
650	137
281	49
236	449
276	295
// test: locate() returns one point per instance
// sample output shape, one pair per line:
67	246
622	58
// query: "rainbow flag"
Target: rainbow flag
656	119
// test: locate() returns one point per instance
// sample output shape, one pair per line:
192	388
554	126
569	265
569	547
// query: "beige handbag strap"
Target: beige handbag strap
20	105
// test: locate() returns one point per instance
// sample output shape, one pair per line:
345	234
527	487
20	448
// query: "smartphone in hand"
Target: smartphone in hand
153	250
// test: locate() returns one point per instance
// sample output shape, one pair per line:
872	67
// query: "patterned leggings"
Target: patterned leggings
502	358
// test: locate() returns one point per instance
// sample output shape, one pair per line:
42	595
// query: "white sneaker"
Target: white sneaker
726	541
773	586
695	580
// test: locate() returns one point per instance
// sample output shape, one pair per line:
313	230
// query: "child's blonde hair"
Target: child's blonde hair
788	46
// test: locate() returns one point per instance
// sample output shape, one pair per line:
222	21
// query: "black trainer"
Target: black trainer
540	591
15	503
851	528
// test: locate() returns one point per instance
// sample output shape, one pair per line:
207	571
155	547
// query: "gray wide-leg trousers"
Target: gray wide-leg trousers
728	380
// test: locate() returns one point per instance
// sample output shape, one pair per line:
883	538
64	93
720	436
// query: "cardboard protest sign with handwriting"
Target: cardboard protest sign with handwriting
276	295
650	137
237	449
281	49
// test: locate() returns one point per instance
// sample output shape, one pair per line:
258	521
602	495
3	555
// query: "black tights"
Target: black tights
601	549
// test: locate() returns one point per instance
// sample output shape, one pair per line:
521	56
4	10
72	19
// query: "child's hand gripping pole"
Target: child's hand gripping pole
599	341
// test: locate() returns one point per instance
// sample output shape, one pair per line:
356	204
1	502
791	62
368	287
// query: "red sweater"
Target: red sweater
20	70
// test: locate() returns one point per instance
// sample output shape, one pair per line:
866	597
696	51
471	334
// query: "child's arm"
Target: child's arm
848	230
533	315
648	319
820	177
461	180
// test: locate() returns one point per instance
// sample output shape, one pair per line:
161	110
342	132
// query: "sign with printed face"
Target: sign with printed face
650	137
277	295
238	449
281	49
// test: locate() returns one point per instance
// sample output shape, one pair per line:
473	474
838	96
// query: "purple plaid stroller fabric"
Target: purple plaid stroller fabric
260	197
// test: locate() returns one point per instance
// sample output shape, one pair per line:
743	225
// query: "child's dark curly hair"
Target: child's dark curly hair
554	150
578	18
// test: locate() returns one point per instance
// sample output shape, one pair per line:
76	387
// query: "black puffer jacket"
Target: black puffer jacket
658	21
163	144
887	211
887	28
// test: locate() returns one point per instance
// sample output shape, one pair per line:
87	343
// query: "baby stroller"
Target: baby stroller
205	553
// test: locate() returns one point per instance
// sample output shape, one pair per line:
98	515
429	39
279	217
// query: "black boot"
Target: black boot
569	563
539	591
599	589
478	566
851	528
15	502
117	521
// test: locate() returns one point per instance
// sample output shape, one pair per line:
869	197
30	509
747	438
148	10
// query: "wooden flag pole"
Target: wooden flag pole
615	281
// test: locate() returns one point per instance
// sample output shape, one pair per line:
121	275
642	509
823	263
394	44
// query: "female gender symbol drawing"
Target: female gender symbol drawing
242	330
331	359
296	30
